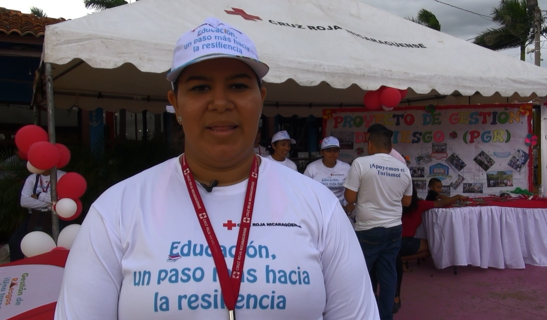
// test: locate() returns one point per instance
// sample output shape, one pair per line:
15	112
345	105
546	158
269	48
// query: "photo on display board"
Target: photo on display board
345	138
417	172
456	182
496	179
423	159
420	185
438	148
439	151
455	162
484	161
518	160
445	191
472	187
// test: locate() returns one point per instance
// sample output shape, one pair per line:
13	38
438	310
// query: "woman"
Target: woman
161	246
331	172
281	143
411	220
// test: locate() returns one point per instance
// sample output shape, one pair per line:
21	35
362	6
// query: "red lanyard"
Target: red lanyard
42	185
228	284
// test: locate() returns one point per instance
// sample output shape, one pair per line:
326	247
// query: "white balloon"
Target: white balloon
67	235
37	242
66	207
33	169
387	108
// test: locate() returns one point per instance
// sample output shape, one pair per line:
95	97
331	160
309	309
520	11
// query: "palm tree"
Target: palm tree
516	30
428	19
103	4
38	12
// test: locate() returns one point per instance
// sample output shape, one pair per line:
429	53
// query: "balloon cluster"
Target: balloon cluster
386	97
42	155
38	242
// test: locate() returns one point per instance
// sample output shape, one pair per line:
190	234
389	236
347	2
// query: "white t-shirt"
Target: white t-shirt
380	181
287	162
332	178
261	151
141	253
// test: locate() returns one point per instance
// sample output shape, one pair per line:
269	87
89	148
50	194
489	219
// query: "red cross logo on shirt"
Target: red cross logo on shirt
229	224
243	14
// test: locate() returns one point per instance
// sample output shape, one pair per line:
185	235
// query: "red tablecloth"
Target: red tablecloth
499	202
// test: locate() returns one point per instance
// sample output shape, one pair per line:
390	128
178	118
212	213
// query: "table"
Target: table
503	236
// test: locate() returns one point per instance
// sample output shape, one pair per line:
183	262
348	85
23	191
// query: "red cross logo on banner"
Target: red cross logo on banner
243	14
229	224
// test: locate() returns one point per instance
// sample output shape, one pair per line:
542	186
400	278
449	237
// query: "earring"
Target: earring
179	118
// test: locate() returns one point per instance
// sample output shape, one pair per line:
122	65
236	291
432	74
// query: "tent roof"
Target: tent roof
319	51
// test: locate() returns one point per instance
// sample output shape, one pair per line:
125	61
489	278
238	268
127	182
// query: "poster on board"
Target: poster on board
473	149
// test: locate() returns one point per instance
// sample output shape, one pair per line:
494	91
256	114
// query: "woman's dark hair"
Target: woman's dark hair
413	203
175	84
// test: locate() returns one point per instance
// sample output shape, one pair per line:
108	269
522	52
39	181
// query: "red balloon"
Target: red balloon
28	135
64	155
390	97
371	100
76	214
72	185
403	93
43	155
22	155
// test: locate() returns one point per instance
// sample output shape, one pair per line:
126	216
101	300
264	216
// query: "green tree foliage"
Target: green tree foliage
38	12
516	27
103	4
427	18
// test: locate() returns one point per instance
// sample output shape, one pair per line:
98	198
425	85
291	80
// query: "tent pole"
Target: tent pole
51	132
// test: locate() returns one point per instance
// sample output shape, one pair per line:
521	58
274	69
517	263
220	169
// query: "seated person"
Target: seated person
411	219
435	188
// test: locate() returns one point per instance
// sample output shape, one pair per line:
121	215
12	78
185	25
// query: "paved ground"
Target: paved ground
474	293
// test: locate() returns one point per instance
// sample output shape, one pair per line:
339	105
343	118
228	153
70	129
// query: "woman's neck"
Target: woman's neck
278	157
229	175
329	165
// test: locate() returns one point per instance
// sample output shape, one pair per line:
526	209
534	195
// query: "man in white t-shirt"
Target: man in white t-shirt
380	127
381	185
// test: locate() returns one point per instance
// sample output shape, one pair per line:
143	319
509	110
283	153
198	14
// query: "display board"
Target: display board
474	150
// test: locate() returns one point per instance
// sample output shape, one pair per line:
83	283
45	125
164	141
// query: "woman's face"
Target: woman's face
220	103
282	148
330	155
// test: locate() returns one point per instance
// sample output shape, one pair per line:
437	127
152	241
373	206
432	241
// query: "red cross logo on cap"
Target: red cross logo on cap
243	14
229	224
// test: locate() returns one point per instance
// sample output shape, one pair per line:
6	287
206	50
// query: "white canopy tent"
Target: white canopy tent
321	53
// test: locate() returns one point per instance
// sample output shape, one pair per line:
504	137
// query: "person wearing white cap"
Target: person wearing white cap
330	171
185	240
281	143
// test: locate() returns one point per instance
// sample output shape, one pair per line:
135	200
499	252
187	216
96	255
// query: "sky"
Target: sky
458	23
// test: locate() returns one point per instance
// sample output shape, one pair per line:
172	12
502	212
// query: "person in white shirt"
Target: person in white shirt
281	143
36	198
381	185
380	127
218	232
259	149
330	171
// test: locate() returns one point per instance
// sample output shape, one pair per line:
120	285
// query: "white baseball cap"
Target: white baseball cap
214	39
330	142
282	135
